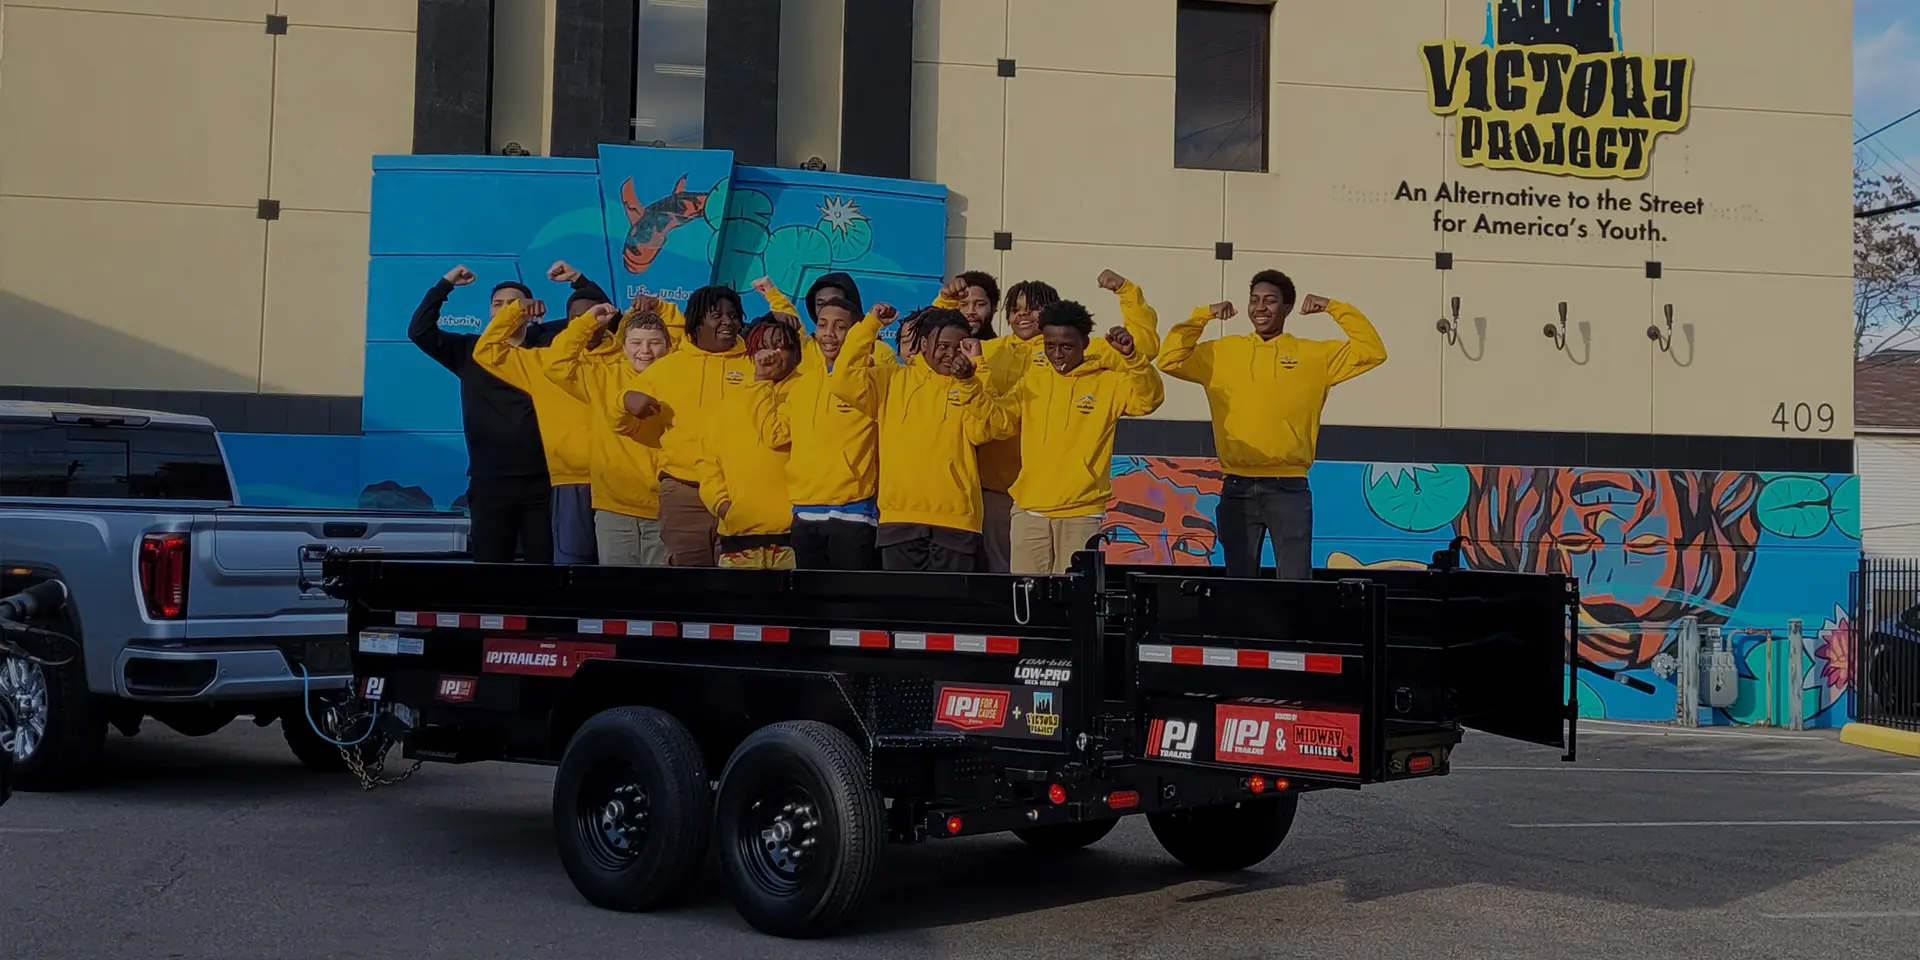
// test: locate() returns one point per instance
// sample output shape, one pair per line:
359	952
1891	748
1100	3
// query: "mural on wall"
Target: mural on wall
663	210
1744	552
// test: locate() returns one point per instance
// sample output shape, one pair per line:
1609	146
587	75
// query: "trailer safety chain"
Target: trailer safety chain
369	775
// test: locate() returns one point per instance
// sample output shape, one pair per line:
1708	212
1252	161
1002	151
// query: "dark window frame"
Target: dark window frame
1200	78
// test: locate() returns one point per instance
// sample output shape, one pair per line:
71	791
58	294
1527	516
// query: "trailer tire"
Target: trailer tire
801	831
632	809
1226	838
1062	837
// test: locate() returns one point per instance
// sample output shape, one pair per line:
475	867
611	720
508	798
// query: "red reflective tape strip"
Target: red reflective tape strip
1008	645
875	639
1253	659
940	641
1190	656
774	635
1323	663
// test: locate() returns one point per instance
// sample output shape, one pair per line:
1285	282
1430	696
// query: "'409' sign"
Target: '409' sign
1550	91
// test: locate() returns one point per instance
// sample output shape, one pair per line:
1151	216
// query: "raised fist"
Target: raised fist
971	348
1111	281
562	272
962	367
639	405
762	285
955	289
787	320
1121	340
766	363
535	309
885	313
606	313
1223	311
1313	303
644	303
459	276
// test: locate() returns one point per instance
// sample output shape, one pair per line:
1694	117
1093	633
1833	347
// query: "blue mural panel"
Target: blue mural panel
294	470
413	471
395	285
407	390
662	210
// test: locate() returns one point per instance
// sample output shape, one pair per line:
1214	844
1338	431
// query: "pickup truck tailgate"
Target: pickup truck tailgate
251	558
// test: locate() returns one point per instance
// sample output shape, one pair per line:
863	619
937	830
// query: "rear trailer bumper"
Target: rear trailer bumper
250	672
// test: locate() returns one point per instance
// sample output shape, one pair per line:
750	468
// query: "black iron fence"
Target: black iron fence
1886	642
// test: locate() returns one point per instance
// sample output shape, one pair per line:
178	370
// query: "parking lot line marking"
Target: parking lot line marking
1636	824
1577	768
1847	915
4	830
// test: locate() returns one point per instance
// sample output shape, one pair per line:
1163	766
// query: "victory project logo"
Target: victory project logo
1550	89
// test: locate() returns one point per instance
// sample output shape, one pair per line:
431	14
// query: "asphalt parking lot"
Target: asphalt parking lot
1657	844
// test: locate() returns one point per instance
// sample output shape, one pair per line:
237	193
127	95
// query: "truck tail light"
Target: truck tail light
163	575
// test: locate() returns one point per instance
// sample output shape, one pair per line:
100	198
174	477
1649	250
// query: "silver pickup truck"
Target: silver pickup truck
188	607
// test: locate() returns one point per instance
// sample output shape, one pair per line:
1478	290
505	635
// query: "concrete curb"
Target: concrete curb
1904	742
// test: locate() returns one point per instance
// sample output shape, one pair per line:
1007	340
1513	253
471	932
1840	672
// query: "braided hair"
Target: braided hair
771	331
704	300
1031	295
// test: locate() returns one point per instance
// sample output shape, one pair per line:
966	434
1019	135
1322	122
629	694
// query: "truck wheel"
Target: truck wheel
801	831
1062	837
632	809
316	754
60	725
1226	838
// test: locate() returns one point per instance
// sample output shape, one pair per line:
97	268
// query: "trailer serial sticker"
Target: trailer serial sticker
1287	737
455	689
540	658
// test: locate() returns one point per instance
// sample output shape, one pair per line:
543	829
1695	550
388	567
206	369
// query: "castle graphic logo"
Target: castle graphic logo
1551	90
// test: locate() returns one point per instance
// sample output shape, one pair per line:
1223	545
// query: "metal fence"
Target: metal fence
1886	642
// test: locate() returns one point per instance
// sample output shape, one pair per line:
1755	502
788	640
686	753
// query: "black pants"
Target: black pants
503	515
930	555
834	545
1253	507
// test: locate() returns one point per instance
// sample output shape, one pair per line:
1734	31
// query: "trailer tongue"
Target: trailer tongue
840	710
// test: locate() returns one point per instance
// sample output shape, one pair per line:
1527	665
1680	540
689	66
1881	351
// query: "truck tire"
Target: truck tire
800	829
62	725
1226	838
632	809
1062	837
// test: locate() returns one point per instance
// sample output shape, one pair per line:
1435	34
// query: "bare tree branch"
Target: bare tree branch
1886	260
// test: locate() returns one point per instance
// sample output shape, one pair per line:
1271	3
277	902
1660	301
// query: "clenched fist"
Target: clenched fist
1111	281
606	313
766	363
971	348
762	285
562	272
639	404
644	303
534	309
962	367
954	289
884	312
459	276
1314	303
1121	340
1223	311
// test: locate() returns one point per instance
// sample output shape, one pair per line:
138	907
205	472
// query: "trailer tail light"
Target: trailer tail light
1123	799
1056	793
953	826
1420	763
1257	784
163	575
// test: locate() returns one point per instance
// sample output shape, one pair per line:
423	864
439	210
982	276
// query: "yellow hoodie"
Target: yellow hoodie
1267	395
625	469
689	383
737	469
1066	423
928	424
563	418
835	448
1008	359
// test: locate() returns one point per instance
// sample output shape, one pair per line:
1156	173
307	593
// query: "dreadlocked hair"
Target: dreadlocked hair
1031	295
771	331
704	300
929	321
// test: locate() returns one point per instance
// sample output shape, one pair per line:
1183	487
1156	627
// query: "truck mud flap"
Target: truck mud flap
1273	674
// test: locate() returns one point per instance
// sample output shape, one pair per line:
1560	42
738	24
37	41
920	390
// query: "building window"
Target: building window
670	73
1221	85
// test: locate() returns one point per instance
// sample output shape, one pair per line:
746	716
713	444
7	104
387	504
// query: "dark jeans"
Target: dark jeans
944	551
510	513
834	545
573	537
1253	507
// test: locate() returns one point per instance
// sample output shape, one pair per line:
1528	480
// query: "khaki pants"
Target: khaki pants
692	535
628	541
996	543
1046	545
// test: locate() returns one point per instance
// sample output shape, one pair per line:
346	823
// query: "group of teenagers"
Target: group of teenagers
690	436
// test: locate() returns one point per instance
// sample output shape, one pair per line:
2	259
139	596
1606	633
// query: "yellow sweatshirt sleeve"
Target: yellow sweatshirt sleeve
778	302
985	419
625	423
854	379
713	480
496	354
768	408
565	354
944	302
1183	356
1145	390
1363	349
1141	320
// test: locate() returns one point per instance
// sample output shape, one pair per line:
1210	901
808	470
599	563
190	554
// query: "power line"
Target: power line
1883	211
1889	126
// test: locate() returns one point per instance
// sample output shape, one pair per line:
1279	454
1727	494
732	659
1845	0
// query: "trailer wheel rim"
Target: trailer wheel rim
612	815
24	685
778	836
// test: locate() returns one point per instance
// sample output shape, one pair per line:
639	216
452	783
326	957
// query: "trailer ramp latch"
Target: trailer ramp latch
1023	601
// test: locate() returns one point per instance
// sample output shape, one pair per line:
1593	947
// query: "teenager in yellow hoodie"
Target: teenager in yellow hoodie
743	481
931	412
625	469
1266	390
1065	413
1008	358
682	389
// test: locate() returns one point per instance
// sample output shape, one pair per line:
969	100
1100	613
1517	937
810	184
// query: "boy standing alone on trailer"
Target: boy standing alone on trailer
1266	390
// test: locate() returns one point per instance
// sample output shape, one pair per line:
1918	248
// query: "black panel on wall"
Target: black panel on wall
230	412
876	89
743	79
453	76
593	54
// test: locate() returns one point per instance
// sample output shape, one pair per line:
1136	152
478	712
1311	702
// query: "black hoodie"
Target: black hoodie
844	282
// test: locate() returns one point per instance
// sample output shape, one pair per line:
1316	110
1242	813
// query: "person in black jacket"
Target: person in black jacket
507	484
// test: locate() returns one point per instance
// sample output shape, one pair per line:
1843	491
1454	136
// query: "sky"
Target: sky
1886	82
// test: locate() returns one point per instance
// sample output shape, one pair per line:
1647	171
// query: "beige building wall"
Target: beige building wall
1074	157
137	138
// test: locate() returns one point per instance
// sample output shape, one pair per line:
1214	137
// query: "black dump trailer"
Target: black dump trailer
802	720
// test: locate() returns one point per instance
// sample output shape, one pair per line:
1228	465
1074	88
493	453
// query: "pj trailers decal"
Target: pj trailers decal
540	658
1022	713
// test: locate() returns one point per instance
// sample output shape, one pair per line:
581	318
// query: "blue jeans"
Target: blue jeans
573	538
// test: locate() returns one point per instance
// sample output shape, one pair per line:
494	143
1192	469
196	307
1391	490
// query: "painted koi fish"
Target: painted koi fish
651	224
